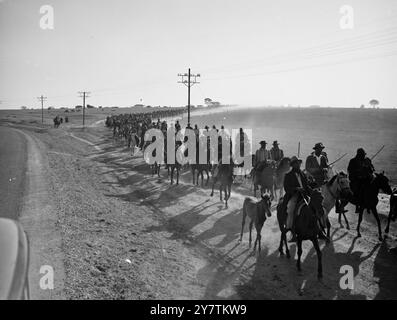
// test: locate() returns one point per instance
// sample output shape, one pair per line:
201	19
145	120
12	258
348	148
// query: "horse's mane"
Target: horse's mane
330	182
341	173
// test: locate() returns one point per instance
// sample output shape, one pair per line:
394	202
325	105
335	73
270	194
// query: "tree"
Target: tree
24	107
374	103
207	101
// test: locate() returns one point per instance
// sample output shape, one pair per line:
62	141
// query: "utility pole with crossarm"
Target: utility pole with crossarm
189	82
42	99
84	94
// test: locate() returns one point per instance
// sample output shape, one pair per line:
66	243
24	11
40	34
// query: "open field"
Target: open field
128	235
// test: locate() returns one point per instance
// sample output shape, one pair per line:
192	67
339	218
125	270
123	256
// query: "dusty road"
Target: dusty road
13	157
127	235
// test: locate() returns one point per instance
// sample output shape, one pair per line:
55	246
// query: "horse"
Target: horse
57	122
309	216
132	141
393	209
368	199
257	212
224	174
338	186
171	168
278	181
201	168
264	179
116	134
155	167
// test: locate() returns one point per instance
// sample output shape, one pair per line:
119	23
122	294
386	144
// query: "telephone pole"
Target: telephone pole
189	83
84	94
42	99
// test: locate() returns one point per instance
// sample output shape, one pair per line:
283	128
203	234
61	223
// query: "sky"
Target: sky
248	52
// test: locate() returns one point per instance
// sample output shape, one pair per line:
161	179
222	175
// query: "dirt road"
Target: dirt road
128	235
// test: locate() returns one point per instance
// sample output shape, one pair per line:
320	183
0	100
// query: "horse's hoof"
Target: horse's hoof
281	252
348	227
358	235
288	255
380	238
320	276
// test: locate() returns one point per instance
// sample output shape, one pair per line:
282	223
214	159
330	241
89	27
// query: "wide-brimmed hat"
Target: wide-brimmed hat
262	142
294	159
318	145
275	142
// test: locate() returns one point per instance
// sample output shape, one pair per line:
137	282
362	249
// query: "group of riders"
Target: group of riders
59	120
298	184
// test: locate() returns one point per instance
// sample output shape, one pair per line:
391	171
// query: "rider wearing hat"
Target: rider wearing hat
360	170
317	164
262	155
276	154
295	186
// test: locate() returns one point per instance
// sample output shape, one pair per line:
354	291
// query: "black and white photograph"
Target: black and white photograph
209	152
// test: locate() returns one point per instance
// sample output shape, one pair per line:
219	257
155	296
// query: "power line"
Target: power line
388	54
322	49
84	94
188	83
42	99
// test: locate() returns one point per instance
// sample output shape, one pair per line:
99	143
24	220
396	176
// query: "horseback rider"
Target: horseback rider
177	126
276	154
317	164
360	170
296	186
262	157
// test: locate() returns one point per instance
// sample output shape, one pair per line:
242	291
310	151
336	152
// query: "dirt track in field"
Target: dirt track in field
128	235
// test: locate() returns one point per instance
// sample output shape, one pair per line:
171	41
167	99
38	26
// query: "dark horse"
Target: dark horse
57	121
176	166
223	173
307	226
393	209
200	168
368	199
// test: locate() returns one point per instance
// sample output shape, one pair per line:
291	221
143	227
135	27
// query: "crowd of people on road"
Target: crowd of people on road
298	183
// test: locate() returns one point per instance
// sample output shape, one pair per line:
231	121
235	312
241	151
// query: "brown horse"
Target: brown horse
223	173
257	212
368	199
200	168
264	179
393	209
310	216
282	168
171	168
